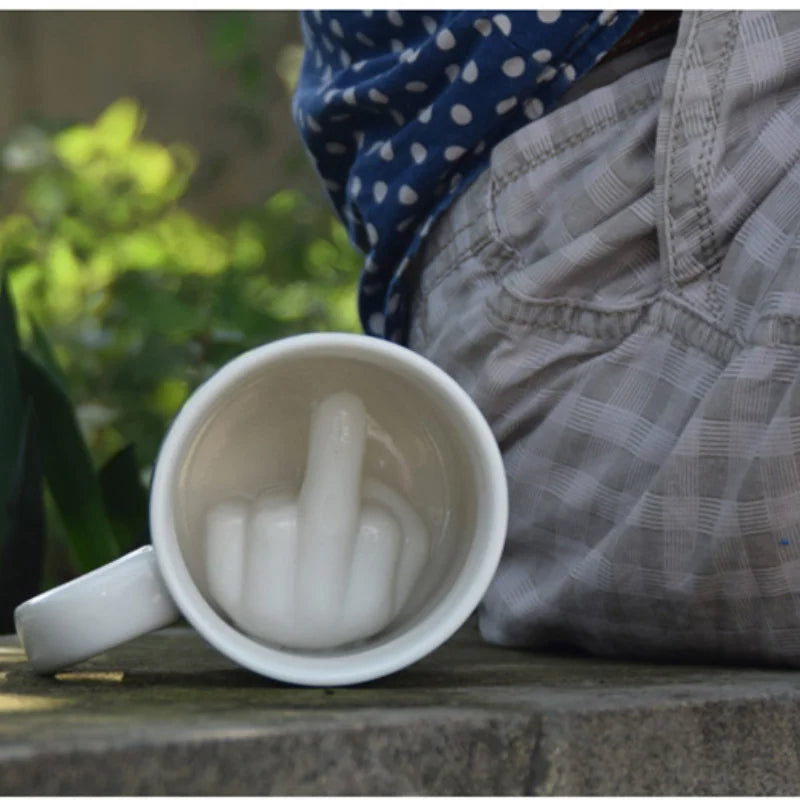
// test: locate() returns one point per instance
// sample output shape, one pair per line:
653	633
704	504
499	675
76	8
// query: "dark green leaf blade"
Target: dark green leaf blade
42	349
68	469
22	553
125	499
8	317
10	403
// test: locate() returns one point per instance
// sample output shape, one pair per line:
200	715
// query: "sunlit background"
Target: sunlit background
157	217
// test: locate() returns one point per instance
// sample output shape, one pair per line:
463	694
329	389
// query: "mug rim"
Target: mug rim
333	668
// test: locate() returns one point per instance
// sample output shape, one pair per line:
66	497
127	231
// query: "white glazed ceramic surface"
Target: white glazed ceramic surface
240	445
92	613
324	566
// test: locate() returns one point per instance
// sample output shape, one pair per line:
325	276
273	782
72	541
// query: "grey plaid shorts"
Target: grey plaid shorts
620	294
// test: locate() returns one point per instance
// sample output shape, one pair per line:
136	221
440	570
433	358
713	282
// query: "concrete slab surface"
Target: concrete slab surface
166	714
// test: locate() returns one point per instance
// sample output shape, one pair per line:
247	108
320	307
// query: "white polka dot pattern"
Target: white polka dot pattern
483	26
445	40
454	152
400	111
407	195
379	190
503	23
514	67
548	17
419	152
505	105
460	114
470	72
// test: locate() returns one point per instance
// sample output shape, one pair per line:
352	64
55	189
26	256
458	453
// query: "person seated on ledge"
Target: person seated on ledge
590	219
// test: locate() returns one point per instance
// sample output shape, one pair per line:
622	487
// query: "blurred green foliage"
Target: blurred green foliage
125	302
140	300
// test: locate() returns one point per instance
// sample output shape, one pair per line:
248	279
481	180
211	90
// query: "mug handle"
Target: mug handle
97	611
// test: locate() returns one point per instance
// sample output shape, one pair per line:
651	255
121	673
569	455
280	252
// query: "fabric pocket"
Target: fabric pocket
577	218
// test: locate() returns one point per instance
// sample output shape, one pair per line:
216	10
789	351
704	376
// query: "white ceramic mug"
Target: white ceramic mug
248	431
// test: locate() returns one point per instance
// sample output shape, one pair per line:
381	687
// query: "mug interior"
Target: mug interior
246	432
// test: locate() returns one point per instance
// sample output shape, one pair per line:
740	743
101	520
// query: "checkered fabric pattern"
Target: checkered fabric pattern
620	294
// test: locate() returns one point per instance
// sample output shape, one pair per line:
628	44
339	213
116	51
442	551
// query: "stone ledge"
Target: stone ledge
168	715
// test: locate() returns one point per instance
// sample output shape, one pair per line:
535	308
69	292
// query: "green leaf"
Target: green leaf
10	403
8	317
125	499
119	125
76	145
42	349
22	553
68	469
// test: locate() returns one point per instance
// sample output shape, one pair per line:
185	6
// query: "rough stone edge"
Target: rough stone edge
461	752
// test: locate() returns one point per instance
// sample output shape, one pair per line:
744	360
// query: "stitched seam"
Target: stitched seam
713	300
571	141
669	198
432	256
709	248
730	338
501	324
494	227
557	326
502	321
577	305
456	260
623	317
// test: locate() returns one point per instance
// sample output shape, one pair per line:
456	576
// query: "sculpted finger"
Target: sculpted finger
329	502
267	603
416	541
370	592
226	528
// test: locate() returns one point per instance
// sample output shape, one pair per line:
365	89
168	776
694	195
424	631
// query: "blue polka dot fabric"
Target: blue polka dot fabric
400	110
